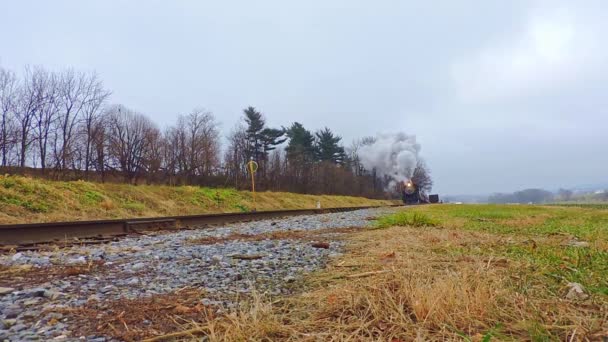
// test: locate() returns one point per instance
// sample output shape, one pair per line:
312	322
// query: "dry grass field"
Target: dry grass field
447	272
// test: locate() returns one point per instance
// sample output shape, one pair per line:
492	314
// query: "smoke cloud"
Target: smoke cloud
392	154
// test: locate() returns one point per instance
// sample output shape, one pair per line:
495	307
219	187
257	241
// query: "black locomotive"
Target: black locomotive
410	193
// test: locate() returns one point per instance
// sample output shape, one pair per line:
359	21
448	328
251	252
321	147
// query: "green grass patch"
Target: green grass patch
406	218
134	206
217	197
540	240
242	208
557	265
93	197
586	223
582	205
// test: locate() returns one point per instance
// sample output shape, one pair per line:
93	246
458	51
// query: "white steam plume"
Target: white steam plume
391	154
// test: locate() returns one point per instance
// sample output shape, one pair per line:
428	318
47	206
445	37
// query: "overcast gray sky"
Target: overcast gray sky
502	95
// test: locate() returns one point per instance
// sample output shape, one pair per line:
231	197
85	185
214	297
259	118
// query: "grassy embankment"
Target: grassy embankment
449	272
25	200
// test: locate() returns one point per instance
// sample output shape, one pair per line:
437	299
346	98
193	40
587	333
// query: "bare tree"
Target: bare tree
94	97
236	156
45	114
30	98
203	134
422	177
171	153
99	145
8	103
194	144
153	155
130	136
73	95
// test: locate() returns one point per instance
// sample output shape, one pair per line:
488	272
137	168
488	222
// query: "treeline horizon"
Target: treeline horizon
537	196
60	125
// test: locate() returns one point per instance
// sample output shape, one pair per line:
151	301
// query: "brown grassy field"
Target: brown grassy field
447	272
28	200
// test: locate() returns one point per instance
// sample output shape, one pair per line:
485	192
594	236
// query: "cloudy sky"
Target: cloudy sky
502	95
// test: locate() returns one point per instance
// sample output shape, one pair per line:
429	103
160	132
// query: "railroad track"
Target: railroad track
26	236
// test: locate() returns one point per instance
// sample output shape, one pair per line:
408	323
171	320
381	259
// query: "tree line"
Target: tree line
59	124
523	196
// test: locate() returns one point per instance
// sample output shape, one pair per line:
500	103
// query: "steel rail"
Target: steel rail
32	233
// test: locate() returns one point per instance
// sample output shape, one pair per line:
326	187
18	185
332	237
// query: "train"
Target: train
411	194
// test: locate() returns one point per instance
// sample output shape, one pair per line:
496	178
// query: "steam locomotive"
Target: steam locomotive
410	194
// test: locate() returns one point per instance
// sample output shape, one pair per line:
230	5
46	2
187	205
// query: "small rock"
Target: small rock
289	279
78	260
55	315
30	314
16	256
95	339
12	311
576	292
324	245
138	266
216	259
9	322
53	294
51	307
93	298
133	281
107	289
30	302
6	290
33	293
18	327
576	243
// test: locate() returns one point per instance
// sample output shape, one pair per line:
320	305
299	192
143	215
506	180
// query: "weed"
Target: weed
134	206
406	218
35	207
242	208
8	182
93	197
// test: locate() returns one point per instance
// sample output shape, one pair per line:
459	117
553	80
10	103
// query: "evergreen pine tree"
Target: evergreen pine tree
301	143
328	147
260	139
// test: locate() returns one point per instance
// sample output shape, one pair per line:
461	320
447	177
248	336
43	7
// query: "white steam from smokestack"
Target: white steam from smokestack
391	154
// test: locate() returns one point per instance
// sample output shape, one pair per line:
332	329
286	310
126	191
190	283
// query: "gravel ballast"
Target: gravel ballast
149	265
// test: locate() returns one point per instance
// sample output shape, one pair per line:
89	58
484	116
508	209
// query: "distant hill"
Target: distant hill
466	198
589	187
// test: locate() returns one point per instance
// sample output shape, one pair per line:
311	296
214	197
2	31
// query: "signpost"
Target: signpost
252	167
